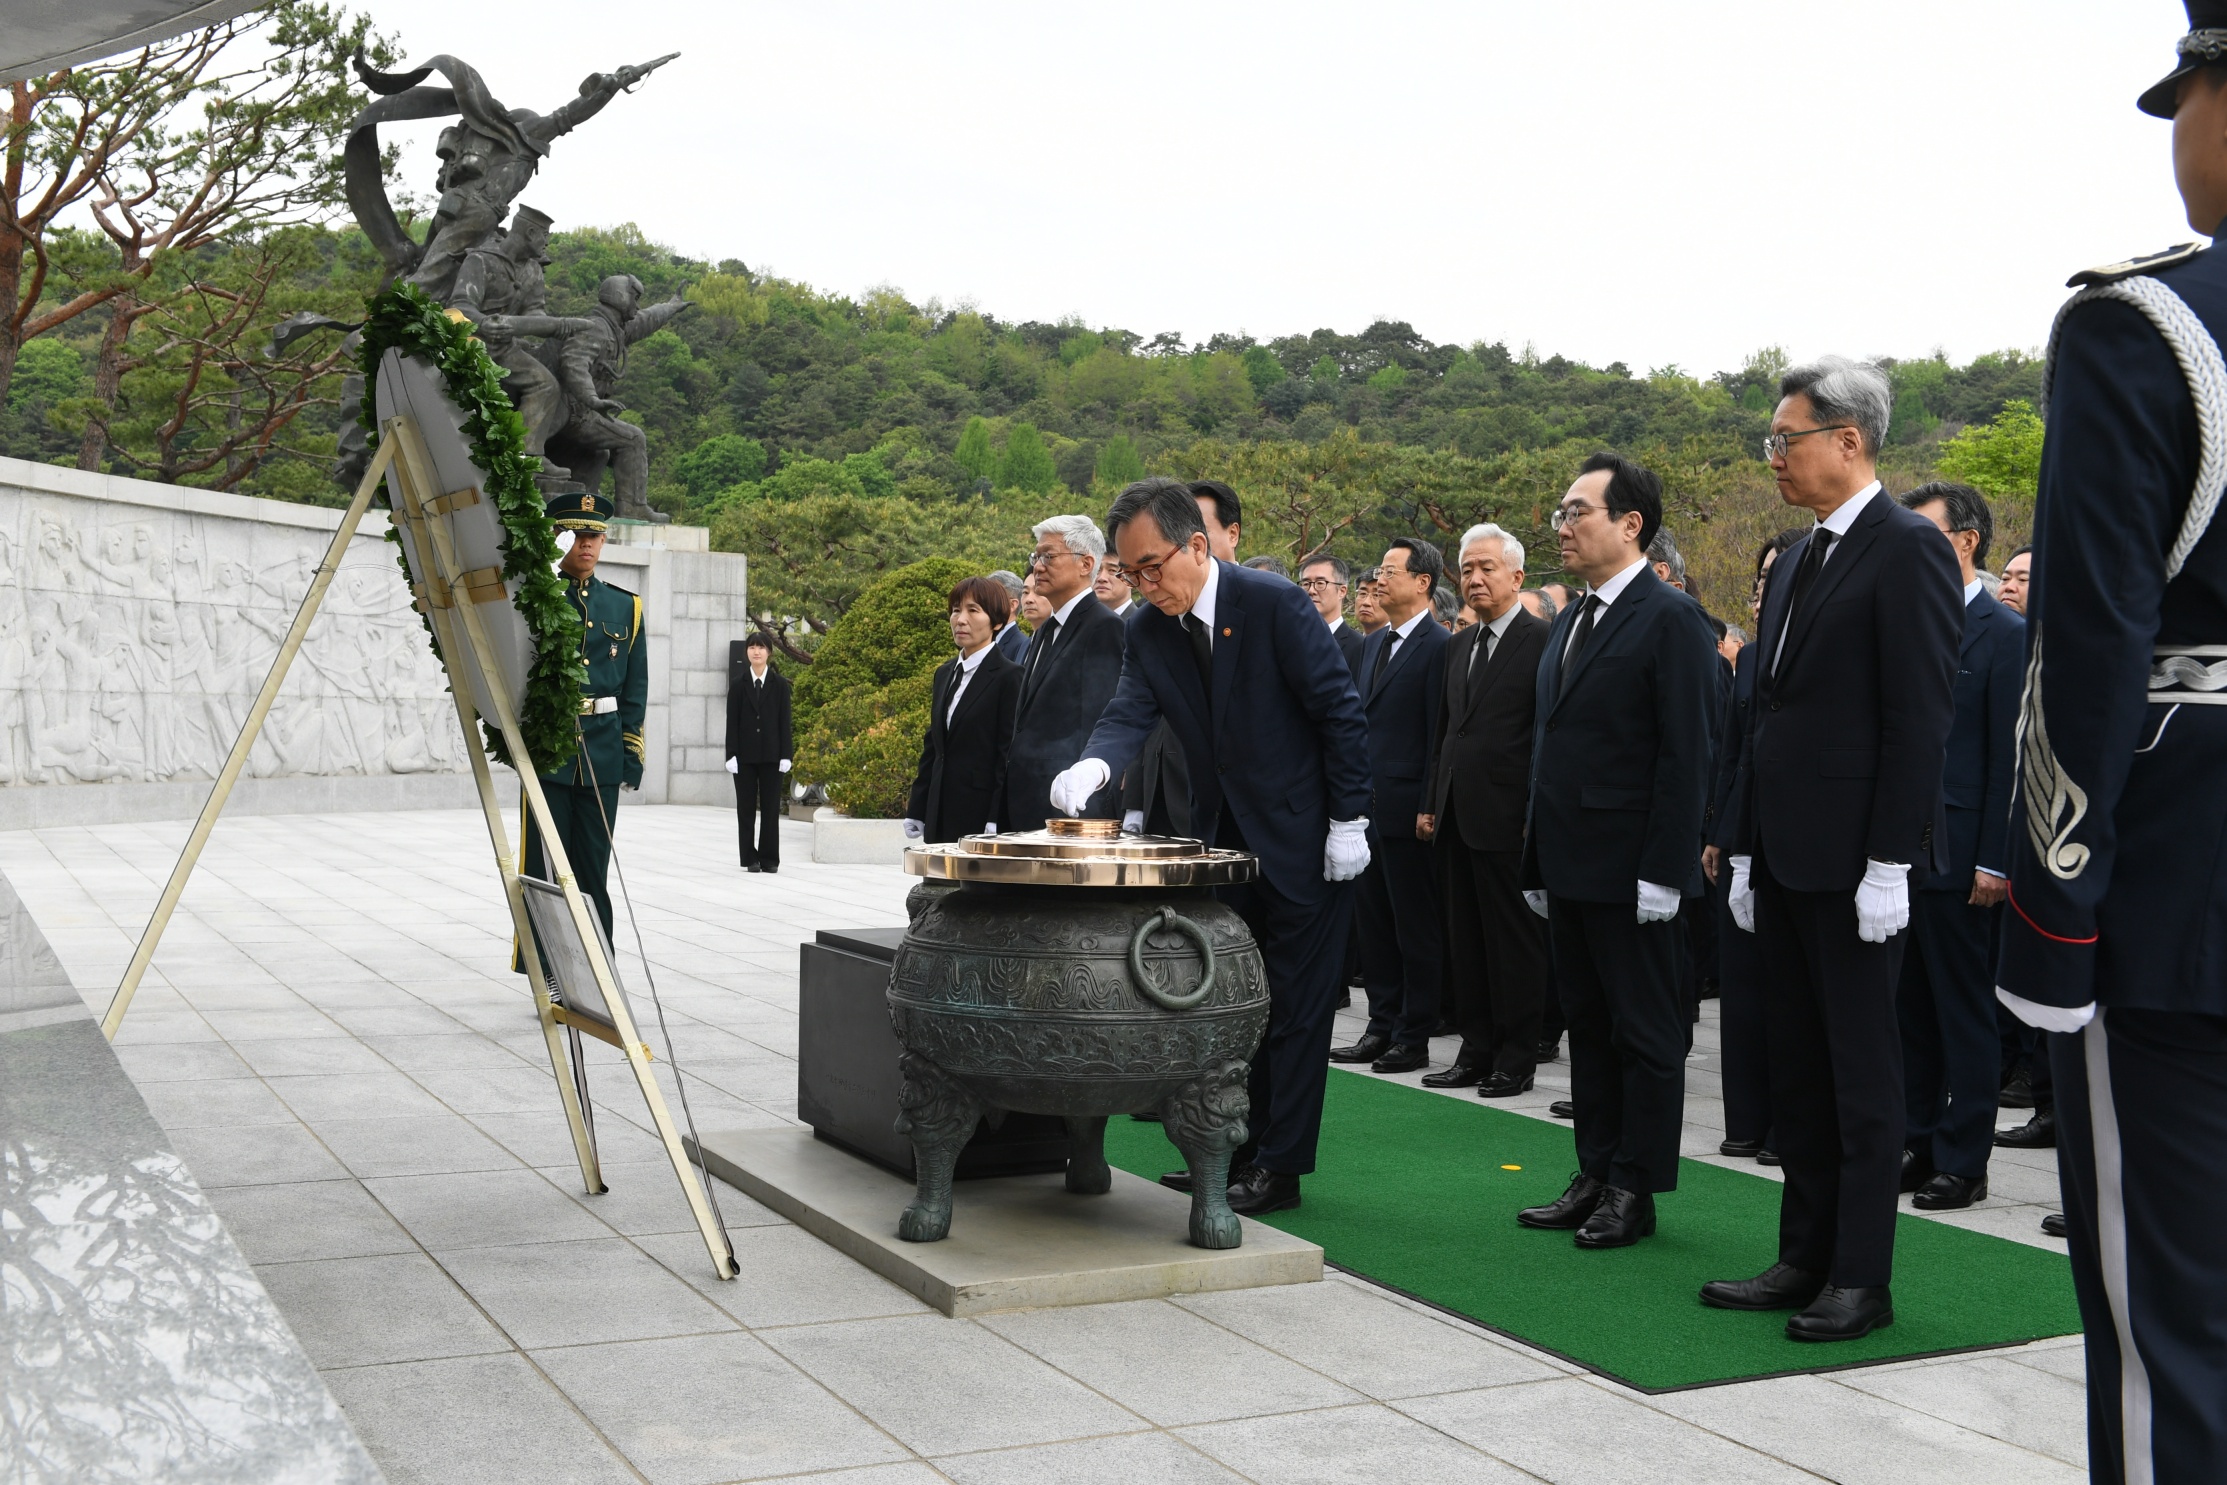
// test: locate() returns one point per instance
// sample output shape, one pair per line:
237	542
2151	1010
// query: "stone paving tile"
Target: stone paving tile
423	1145
310	1219
1007	1396
1366	1445
254	1154
478	1420
1993	1395
481	1209
358	1311
785	1276
1157	1457
644	1199
1575	1432
567	1294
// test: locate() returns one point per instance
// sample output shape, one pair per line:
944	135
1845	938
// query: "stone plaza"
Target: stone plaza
331	1043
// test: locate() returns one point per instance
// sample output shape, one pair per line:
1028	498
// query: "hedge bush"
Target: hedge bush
862	704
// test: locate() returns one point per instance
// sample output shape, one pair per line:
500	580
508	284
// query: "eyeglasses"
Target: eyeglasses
1144	574
1568	515
1774	447
1320	584
1044	559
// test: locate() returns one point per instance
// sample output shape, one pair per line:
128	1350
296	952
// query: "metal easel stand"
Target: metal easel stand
403	451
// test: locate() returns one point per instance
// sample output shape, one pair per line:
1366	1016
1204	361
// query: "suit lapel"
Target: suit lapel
1172	648
968	697
1637	593
1399	654
1495	663
1228	639
1839	562
1979	616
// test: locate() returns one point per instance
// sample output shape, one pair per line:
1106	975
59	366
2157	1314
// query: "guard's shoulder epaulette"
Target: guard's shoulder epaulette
2111	273
622	592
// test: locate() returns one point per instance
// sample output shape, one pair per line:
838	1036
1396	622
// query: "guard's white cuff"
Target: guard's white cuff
1535	898
1133	822
1657	904
2046	1017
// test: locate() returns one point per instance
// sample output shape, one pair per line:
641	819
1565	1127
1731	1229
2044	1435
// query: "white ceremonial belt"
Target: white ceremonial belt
603	706
2181	677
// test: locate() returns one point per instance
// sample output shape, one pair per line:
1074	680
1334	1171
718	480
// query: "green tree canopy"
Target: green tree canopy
1119	463
2002	457
974	454
721	461
1026	464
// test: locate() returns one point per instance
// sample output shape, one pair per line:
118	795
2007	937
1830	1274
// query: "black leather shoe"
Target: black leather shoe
1916	1170
752	869
1547	1051
1779	1287
1460	1075
1741	1149
2018	1093
2037	1133
1445	1028
1947	1193
1567	1212
1562	1108
1503	1085
2053	1225
1404	1057
770	868
1260	1191
1177	1180
1368	1049
1767	1157
1839	1314
1622	1219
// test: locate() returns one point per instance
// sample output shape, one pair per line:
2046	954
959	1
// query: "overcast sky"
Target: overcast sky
1662	183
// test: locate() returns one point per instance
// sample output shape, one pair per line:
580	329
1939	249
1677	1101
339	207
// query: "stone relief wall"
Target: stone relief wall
134	635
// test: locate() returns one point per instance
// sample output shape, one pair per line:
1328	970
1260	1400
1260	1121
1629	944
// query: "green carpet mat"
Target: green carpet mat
1415	1190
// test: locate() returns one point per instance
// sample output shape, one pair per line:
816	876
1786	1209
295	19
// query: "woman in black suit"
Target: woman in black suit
970	722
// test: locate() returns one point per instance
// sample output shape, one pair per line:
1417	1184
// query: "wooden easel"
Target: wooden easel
450	599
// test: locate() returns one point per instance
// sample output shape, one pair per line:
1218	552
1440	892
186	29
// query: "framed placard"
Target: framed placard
564	954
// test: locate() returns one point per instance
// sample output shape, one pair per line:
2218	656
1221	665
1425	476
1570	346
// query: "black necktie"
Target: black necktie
1580	632
1813	563
1481	649
1036	652
1202	650
1383	658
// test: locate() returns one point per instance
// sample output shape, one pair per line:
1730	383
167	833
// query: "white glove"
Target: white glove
989	827
1345	852
1657	904
1882	901
564	544
784	765
915	829
1133	822
1071	791
733	767
1740	896
1535	898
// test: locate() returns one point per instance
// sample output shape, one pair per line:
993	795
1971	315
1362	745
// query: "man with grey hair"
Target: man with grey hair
1670	563
1012	640
1068	676
1838	800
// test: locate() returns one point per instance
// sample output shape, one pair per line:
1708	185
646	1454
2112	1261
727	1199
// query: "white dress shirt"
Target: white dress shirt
1203	605
1495	631
968	665
1606	594
1840	522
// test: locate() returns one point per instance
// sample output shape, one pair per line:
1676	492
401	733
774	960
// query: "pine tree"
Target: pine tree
974	454
1026	463
1118	463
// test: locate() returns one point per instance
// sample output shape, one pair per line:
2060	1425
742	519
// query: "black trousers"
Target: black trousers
1618	979
1836	1080
1951	1052
1302	947
1496	956
2142	1154
758	810
1401	937
1744	1043
585	824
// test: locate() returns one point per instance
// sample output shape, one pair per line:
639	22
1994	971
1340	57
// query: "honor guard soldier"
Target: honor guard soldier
583	794
2116	938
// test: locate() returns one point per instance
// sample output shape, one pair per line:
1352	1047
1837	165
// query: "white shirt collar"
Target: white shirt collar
971	663
1841	520
1972	591
1203	605
1499	626
1126	605
1608	592
1069	606
1413	619
1336	624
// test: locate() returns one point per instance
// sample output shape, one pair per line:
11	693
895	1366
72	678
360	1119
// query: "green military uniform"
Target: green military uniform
583	794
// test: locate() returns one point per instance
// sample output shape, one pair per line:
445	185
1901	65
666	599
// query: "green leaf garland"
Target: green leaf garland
404	318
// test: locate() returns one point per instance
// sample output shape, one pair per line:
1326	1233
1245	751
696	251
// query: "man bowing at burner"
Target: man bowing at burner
1262	703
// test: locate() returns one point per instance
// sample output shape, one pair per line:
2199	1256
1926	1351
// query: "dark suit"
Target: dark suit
1619	782
1349	641
1400	918
1012	642
759	736
1744	1050
1843	764
1951	1049
1157	786
962	759
1277	750
1067	677
1496	947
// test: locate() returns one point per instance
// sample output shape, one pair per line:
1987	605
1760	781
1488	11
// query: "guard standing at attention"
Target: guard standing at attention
583	794
2116	937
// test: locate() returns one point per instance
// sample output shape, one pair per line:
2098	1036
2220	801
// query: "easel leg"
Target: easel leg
251	729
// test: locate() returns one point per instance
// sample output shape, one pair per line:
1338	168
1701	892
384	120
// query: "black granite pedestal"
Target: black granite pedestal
847	1079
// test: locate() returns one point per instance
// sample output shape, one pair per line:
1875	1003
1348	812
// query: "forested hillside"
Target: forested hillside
833	437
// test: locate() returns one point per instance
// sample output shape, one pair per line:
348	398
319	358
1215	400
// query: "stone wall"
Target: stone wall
137	621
